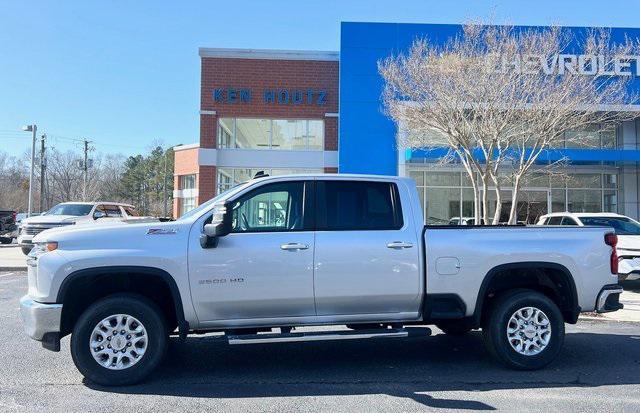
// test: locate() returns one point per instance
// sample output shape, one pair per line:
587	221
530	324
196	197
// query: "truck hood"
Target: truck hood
52	219
109	236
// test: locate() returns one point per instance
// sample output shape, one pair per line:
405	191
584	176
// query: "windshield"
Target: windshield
222	195
621	225
70	209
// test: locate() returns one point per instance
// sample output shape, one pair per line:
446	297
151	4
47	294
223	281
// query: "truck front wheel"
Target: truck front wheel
524	330
119	340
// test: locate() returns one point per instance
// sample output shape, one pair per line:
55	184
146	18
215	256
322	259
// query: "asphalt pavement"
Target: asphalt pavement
598	370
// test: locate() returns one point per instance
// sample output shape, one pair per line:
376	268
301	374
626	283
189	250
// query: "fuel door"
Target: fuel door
447	265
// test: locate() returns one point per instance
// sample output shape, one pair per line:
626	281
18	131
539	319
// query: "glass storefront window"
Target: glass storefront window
558	200
279	134
585	138
230	177
535	180
442	178
225	133
610	180
467	202
187	181
417	176
608	138
444	194
252	133
289	134
610	201
187	184
584	200
442	204
585	181
315	135
187	204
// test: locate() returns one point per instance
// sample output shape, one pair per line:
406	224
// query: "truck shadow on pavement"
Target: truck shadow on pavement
406	368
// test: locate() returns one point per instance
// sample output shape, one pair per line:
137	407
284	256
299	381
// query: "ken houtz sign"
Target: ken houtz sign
560	64
275	96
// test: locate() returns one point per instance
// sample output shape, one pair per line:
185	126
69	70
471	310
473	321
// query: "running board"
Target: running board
327	335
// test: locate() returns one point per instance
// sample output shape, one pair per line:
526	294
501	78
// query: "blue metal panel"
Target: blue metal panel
367	135
551	155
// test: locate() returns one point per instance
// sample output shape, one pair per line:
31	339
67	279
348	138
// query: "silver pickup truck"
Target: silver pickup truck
278	253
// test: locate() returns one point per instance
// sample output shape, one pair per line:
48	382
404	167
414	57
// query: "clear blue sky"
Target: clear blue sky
125	73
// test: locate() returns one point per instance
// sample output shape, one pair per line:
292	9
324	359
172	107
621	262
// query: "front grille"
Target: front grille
35	229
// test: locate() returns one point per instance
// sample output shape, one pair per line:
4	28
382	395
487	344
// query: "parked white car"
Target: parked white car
627	230
74	213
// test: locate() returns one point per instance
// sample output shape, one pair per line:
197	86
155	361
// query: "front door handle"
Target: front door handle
293	246
399	245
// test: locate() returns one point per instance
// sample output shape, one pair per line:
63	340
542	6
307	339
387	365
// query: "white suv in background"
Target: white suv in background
74	213
627	230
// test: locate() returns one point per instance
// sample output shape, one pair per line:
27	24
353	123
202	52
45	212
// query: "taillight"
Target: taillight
611	239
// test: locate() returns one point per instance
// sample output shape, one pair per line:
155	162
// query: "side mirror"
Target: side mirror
215	230
219	227
99	214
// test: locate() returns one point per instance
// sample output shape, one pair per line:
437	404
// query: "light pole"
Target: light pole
33	129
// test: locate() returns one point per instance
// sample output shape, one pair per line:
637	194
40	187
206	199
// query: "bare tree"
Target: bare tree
500	97
14	183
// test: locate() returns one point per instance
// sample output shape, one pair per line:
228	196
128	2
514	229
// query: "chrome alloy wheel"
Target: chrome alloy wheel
529	331
118	342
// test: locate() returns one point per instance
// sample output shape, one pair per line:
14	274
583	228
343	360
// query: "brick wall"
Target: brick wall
257	75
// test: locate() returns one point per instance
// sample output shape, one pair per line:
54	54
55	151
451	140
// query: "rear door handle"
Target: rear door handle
293	246
399	245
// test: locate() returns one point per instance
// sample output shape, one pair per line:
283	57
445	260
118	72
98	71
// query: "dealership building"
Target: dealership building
286	111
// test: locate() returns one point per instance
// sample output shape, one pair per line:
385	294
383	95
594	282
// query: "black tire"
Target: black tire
454	328
136	306
495	329
26	250
4	240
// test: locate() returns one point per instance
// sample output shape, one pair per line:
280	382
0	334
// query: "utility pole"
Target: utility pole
33	129
85	168
43	166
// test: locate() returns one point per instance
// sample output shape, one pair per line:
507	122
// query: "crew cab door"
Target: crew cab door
367	260
264	268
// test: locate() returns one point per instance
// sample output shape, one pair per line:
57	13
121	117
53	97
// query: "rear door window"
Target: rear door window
554	221
357	206
568	221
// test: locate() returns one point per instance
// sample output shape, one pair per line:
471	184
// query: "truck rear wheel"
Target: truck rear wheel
524	330
119	340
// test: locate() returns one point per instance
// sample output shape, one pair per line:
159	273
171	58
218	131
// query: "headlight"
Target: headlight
42	247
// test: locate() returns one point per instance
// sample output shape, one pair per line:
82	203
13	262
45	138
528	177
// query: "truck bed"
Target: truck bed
460	258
